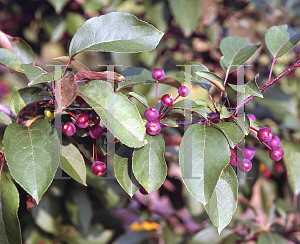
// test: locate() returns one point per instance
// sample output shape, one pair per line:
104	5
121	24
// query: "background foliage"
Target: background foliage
102	212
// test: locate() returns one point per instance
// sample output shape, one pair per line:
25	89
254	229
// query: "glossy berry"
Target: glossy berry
248	152
158	74
233	160
276	154
251	117
96	131
153	127
274	142
183	91
69	129
143	191
98	168
245	165
167	100
151	114
264	134
82	121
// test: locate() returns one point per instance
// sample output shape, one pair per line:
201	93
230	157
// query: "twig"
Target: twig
264	88
7	111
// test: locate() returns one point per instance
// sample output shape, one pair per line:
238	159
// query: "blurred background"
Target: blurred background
103	212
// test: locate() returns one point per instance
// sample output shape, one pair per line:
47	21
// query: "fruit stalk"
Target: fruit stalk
7	111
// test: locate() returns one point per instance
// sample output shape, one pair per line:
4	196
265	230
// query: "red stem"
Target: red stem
156	93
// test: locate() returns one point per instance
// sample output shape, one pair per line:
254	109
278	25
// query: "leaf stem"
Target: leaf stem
271	70
156	93
7	111
264	88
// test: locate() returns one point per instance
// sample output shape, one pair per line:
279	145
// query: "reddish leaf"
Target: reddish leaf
92	75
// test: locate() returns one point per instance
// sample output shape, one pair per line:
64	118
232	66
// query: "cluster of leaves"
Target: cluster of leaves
139	161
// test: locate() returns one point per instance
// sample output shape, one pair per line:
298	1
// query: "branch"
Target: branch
7	111
264	88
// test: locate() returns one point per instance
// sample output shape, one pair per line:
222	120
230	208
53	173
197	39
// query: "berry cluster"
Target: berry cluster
153	126
266	136
82	121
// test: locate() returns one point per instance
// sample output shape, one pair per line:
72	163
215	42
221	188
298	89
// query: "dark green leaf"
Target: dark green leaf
127	123
236	50
148	163
244	124
132	237
140	97
10	232
26	96
10	60
36	74
203	154
183	10
169	122
190	105
212	78
249	89
229	129
291	161
73	163
137	76
281	39
4	119
30	153
271	238
115	32
123	170
223	202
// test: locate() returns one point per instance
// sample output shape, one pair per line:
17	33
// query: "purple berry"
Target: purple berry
276	154
183	91
264	134
245	165
98	168
151	114
167	100
153	127
233	160
82	121
274	142
69	129
143	191
248	152
251	117
158	74
96	131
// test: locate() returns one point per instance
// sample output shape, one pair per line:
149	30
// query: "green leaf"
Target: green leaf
281	39
10	60
223	202
73	22
30	153
36	74
79	208
229	129
73	163
137	76
291	160
21	98
190	105
4	119
236	50
22	49
58	5
115	32
271	238
208	235
205	84
169	122
243	123
148	163
47	214
183	10
127	123
203	154
123	170
140	97
249	89
224	113
212	78
10	231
